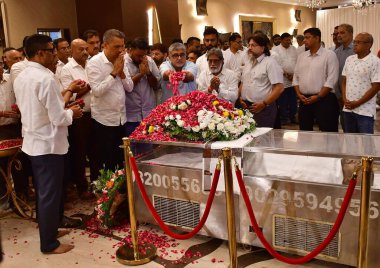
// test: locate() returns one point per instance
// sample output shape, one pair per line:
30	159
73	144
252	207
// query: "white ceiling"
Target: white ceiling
329	3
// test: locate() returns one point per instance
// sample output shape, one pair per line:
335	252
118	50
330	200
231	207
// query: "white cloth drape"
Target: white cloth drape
369	21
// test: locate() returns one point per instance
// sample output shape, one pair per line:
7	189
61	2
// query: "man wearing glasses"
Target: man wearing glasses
177	63
361	82
44	127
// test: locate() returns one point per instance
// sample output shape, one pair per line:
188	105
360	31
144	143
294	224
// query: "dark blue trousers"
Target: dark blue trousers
48	182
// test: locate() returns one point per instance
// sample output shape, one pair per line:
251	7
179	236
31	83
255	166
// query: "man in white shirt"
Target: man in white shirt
315	75
218	80
361	83
81	143
44	127
63	54
109	80
145	76
210	40
234	56
93	41
177	63
261	83
10	57
287	58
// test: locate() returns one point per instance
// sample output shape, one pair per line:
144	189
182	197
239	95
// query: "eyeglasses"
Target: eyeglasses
182	55
359	42
51	50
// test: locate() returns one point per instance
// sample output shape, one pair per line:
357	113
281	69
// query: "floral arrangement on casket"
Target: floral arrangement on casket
196	117
106	188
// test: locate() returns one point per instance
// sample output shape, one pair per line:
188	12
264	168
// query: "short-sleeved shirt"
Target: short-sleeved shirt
258	78
360	73
184	88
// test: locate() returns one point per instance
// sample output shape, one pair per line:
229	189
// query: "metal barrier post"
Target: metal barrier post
231	226
137	254
364	211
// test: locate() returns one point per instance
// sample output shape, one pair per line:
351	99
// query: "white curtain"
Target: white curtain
369	21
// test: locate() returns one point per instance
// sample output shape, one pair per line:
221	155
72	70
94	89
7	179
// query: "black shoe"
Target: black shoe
68	222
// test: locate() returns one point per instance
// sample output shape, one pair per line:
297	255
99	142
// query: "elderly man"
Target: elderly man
177	63
10	57
361	83
145	76
315	75
81	144
261	83
44	124
287	58
109	80
218	80
93	41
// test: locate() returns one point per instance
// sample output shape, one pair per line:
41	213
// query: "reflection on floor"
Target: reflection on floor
20	241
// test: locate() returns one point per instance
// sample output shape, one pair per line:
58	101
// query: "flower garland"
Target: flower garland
196	117
174	79
107	187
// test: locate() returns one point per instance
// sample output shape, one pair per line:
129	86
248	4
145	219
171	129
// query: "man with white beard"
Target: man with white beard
221	82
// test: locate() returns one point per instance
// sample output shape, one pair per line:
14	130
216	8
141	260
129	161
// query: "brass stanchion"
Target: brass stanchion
231	226
364	211
135	254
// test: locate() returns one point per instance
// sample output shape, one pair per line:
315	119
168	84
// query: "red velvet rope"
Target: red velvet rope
316	251
158	218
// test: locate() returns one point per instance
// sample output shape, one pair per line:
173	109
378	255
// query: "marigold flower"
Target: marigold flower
151	129
226	114
215	102
110	184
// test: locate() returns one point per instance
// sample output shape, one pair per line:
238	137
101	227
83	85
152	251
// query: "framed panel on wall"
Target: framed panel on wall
55	33
249	24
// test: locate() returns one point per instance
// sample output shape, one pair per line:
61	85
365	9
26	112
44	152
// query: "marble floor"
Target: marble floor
20	243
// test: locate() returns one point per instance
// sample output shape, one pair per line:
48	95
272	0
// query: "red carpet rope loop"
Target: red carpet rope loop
317	250
158	218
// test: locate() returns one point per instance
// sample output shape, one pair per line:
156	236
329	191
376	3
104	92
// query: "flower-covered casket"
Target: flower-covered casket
295	181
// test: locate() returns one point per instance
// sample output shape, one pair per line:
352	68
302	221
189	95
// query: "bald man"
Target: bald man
10	57
80	131
360	84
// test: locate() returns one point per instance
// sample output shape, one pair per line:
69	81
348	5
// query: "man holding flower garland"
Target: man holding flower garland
171	69
218	80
